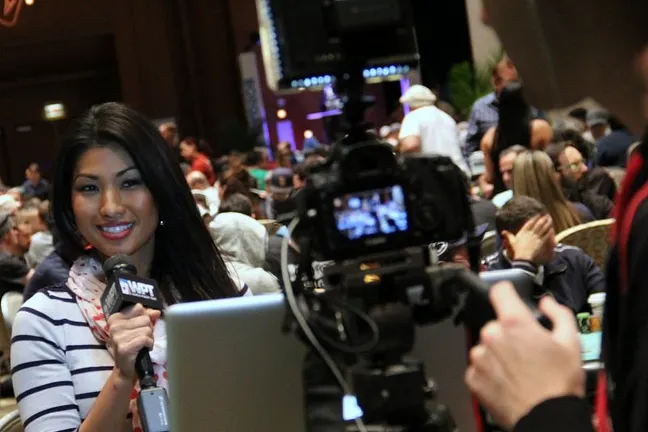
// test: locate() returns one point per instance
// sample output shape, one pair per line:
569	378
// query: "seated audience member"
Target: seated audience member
253	162
35	186
32	203
299	176
280	189
53	270
570	132
598	125
30	217
14	272
231	183
23	223
316	156
42	241
193	152
8	204
612	149
597	180
506	161
574	176
17	194
284	155
579	115
198	182
529	244
237	203
534	175
243	242
235	162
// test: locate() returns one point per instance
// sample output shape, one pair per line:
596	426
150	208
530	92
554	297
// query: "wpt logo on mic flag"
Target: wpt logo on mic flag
139	289
10	13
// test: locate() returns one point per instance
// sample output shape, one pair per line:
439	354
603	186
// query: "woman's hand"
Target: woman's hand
519	364
130	331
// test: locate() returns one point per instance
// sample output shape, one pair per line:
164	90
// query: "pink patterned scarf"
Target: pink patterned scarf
87	282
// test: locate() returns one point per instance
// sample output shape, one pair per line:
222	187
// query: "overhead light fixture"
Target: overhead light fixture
282	114
54	111
308	134
29	2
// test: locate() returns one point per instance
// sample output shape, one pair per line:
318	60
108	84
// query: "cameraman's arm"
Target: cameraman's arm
562	414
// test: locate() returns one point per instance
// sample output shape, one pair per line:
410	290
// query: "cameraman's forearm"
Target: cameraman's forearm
111	407
562	414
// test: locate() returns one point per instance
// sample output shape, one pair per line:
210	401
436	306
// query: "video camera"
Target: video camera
370	211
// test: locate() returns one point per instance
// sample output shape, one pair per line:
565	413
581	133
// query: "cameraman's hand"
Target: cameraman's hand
529	242
130	331
518	363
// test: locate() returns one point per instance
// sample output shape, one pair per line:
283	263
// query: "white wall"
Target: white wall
484	40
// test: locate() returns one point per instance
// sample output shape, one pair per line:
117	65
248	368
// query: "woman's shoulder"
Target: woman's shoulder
54	306
541	126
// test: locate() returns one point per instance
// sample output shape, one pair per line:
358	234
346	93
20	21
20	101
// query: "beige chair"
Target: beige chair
11	422
592	237
489	244
9	305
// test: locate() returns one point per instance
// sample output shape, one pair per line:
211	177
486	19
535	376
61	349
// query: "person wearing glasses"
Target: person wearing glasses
14	272
593	188
530	378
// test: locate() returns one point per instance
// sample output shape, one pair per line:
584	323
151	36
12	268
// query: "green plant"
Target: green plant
469	82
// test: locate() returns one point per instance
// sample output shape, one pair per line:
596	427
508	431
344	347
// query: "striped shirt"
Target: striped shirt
58	366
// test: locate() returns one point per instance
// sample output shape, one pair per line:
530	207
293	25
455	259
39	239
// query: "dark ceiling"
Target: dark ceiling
55	60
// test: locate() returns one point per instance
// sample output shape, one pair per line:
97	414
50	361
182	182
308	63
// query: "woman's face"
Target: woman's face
114	210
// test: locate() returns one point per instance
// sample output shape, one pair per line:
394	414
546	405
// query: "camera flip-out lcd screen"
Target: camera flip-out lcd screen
372	212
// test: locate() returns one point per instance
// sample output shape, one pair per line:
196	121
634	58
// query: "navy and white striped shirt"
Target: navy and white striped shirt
58	366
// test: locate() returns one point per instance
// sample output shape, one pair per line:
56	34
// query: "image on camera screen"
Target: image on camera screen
372	212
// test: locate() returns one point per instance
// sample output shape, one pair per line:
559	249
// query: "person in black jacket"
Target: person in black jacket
529	378
53	270
529	244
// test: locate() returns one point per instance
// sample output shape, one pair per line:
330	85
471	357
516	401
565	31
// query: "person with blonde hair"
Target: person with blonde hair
535	176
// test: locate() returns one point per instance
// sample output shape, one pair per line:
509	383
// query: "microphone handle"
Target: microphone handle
144	369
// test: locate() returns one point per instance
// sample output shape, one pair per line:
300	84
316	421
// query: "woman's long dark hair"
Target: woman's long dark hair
186	264
513	127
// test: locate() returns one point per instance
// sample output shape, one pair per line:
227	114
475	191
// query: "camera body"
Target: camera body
366	200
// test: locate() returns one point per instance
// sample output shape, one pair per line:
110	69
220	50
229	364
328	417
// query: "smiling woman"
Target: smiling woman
114	210
117	190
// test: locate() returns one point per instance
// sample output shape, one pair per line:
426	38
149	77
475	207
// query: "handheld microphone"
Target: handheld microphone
123	289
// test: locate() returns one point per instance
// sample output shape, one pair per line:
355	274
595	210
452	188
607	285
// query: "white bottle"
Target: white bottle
597	302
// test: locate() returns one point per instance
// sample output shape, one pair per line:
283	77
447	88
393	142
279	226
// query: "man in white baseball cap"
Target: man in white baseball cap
427	129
